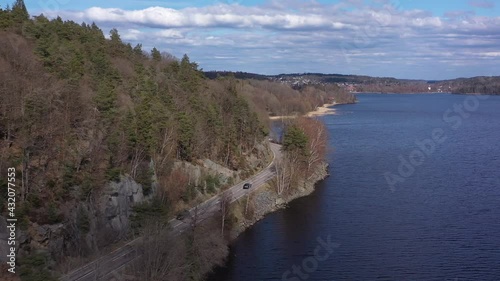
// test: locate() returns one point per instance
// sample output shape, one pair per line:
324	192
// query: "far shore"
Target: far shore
326	109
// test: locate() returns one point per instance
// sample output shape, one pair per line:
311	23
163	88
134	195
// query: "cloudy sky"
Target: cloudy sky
422	39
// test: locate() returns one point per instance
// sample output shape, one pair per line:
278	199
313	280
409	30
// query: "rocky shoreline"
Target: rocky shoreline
267	201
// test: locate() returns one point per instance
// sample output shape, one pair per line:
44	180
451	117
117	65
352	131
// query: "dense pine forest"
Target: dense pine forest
81	109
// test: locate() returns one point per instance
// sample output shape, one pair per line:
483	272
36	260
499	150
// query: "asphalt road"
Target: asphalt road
105	267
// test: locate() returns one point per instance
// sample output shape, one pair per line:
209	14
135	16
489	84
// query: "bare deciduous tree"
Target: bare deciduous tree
137	159
225	201
162	255
165	150
283	175
316	144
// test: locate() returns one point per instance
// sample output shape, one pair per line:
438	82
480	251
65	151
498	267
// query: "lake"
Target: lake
414	194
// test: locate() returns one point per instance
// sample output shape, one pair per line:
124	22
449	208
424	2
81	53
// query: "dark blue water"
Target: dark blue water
441	223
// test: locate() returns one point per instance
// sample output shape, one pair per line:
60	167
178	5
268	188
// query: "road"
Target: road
105	267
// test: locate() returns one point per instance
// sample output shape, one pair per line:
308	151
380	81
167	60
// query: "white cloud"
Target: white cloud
491	54
130	34
343	36
170	33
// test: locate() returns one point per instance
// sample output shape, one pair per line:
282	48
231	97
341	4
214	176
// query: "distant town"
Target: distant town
358	84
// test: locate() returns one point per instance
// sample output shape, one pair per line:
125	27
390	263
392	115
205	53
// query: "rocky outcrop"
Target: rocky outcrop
46	237
89	225
115	206
218	170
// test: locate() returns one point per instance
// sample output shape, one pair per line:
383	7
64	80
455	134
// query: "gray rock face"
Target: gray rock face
56	239
103	222
212	166
42	233
117	202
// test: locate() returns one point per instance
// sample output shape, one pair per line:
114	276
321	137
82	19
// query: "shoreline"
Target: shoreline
325	109
267	201
419	93
249	210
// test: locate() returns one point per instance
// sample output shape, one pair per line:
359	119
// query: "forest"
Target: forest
81	108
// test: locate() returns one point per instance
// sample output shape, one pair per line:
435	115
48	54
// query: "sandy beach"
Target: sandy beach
326	109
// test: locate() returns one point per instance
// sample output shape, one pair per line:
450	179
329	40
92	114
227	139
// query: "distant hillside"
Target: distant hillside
237	75
286	94
357	83
476	85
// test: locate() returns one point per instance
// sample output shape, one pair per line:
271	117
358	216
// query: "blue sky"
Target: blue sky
421	39
435	6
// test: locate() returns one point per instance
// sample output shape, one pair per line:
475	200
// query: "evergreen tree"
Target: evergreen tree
106	100
189	75
138	50
5	18
116	43
155	54
19	12
186	132
295	140
115	36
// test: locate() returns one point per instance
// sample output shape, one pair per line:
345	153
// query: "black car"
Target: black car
247	185
183	215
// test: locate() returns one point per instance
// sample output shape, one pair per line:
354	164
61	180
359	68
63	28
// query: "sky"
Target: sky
414	39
